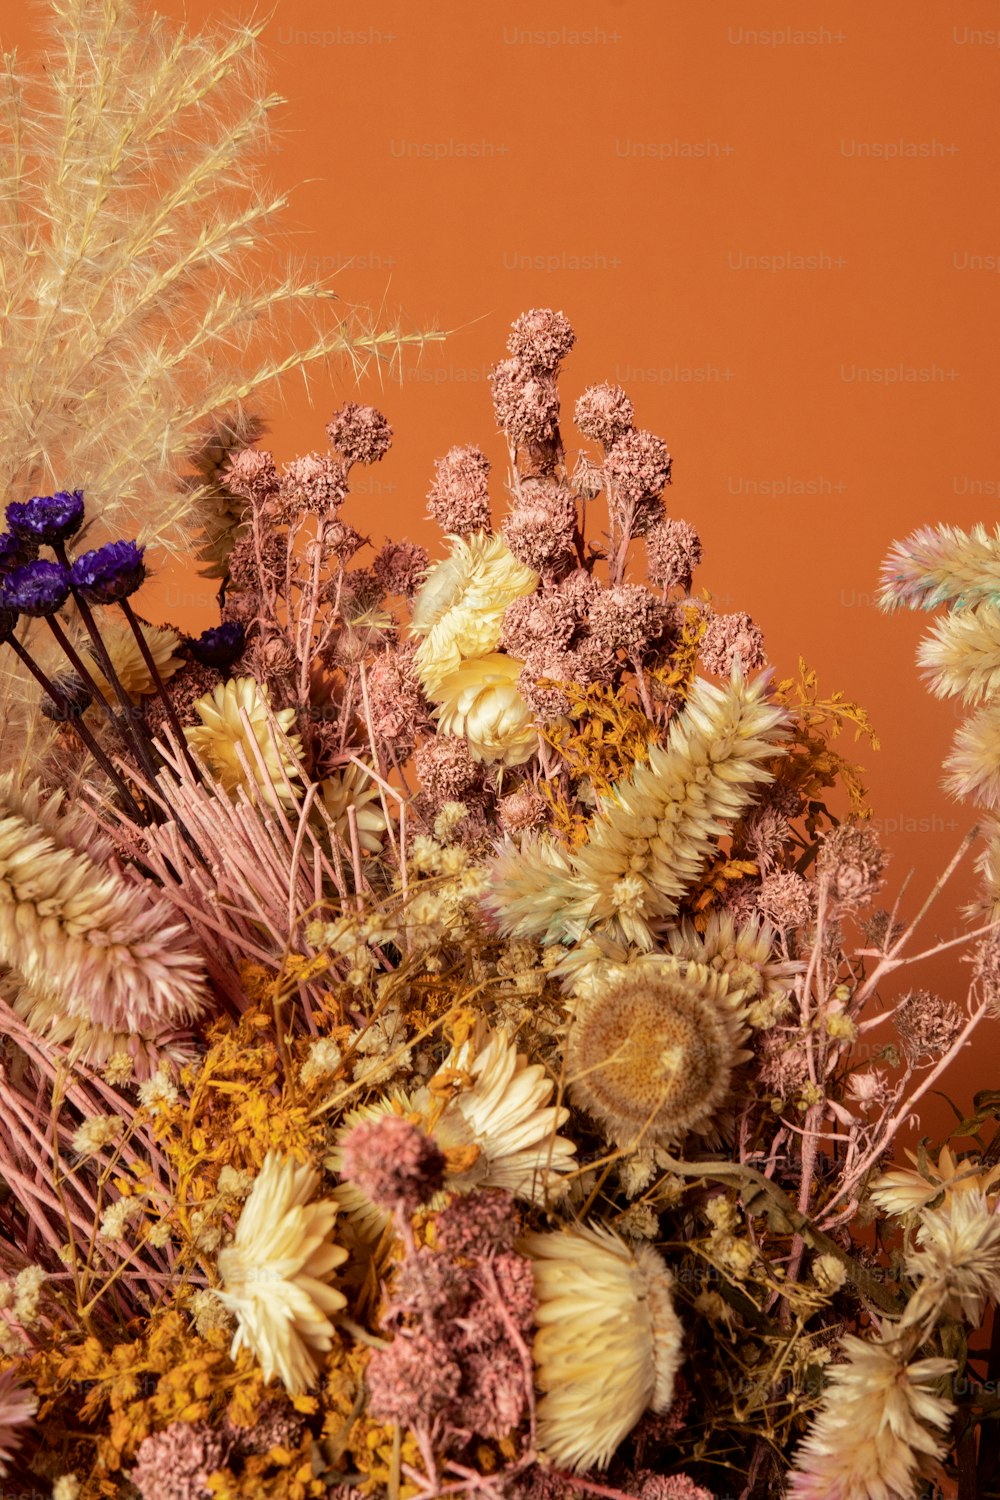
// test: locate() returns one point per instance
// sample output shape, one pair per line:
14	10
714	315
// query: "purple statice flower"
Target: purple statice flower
219	646
47	518
15	552
39	588
110	573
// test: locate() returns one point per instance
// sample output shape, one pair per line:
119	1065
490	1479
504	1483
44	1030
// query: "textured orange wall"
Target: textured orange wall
775	225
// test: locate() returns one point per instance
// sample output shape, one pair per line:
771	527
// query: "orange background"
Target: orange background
634	164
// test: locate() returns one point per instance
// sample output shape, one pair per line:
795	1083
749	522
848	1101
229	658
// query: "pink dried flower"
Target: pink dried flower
881	931
399	568
729	639
539	530
673	551
541	338
604	413
494	1399
361	433
579	589
543	667
446	769
526	404
927	1025
312	482
412	1381
275	1427
177	1463
850	862
459	497
625	618
360	591
17	1407
638	466
765	831
986	971
394	1164
651	1486
783	797
523	811
783	1067
740	900
428	1278
786	900
399	710
484	1222
544	618
251	474
341	541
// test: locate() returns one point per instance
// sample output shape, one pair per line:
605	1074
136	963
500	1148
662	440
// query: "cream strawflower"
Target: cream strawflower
127	660
608	1341
276	1273
506	1117
223	738
652	1047
459	610
480	700
745	952
354	787
17	1407
958	1261
879	1422
98	946
900	1191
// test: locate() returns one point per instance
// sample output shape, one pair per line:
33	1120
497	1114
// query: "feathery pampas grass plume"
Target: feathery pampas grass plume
105	949
960	655
652	1048
876	1428
608	1341
244	744
276	1273
650	838
137	304
942	565
459	610
17	1407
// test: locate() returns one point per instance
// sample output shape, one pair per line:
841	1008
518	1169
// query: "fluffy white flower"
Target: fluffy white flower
459	610
608	1341
879	1421
480	700
276	1274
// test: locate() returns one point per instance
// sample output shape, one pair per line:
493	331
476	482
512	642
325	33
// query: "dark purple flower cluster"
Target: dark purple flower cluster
110	573
219	646
37	588
47	518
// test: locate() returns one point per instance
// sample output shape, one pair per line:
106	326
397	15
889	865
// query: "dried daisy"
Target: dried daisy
105	949
459	610
608	1341
354	787
901	1191
652	1048
276	1273
744	952
244	744
480	700
128	662
880	1422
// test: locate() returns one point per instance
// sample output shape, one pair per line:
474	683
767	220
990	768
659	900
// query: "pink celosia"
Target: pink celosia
177	1463
526	404
541	338
539	530
17	1407
361	433
251	473
394	1164
673	551
459	498
732	638
604	413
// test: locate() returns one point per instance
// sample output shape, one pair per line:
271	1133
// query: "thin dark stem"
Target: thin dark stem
82	730
171	712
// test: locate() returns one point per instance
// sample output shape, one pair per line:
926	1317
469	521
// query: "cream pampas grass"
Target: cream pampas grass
244	744
276	1274
878	1426
108	950
459	610
649	840
608	1341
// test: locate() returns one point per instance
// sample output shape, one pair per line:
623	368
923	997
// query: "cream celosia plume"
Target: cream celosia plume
608	1345
245	744
276	1274
942	565
957	1260
649	840
107	949
459	610
960	655
880	1421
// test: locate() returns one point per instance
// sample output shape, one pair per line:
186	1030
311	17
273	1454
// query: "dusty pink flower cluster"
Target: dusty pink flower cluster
394	1164
459	498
